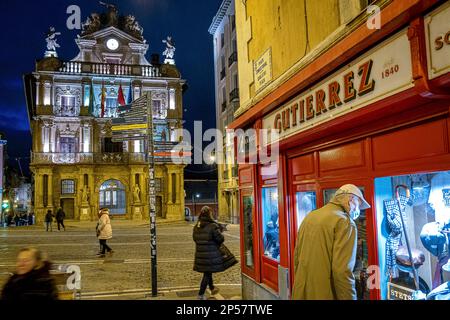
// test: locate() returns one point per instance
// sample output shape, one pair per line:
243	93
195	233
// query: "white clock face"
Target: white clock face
112	44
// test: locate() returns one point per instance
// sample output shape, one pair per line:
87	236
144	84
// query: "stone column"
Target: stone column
50	191
169	185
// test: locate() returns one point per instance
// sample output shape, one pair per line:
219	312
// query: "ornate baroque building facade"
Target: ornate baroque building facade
71	104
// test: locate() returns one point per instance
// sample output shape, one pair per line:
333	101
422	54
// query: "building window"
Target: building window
112	196
112	147
67	145
86	179
138	146
271	237
172	99
86	139
233	22
222	40
68	102
224	99
67	186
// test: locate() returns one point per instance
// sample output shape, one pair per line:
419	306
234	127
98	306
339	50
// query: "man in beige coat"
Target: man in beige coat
325	251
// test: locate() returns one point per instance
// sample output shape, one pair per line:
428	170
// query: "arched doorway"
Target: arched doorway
112	196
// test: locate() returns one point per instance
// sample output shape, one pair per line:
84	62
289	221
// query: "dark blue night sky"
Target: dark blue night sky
25	23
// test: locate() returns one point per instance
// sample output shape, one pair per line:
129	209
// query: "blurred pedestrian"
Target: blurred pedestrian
211	255
60	215
32	280
30	218
104	232
16	220
49	220
325	252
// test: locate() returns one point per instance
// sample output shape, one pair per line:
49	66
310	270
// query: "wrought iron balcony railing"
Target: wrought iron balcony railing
232	59
234	95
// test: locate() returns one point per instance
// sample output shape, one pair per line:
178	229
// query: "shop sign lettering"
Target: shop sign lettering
263	70
396	292
437	32
382	72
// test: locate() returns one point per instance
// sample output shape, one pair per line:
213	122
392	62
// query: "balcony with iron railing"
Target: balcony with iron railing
232	59
74	67
234	94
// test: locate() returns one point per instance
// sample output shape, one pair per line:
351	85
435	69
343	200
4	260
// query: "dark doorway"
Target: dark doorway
68	206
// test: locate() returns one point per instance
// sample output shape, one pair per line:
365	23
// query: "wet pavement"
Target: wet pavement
127	273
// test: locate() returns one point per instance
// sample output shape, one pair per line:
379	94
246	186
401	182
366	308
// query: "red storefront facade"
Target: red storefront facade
372	111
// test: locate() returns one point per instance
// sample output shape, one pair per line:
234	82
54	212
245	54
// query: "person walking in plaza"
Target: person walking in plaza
104	232
32	280
325	251
60	215
49	220
211	255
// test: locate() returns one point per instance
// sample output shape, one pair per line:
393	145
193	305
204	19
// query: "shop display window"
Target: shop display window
422	224
271	230
306	202
248	230
362	254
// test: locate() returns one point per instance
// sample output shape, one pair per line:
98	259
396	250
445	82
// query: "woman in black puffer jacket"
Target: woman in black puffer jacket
32	280
208	257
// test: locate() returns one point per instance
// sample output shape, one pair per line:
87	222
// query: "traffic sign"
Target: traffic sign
128	127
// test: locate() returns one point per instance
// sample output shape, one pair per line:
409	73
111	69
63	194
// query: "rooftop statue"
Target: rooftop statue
92	24
51	39
170	50
132	26
112	15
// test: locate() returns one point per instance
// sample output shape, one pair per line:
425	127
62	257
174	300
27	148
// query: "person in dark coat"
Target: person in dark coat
49	220
60	215
32	280
210	257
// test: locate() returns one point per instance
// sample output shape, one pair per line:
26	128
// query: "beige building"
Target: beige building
223	30
75	162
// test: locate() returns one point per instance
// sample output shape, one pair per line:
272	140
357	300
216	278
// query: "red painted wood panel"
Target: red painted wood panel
245	175
343	157
419	142
269	273
303	165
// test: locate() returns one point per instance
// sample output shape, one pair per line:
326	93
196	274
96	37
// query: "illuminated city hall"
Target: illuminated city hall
75	163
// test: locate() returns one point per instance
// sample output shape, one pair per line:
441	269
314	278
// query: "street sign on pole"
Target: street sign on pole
135	122
151	193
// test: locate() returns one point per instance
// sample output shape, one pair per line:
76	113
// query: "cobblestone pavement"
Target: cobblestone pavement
126	274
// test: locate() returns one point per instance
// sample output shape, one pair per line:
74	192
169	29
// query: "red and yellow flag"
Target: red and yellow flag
103	99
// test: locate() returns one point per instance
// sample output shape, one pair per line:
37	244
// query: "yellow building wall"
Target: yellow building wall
282	26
